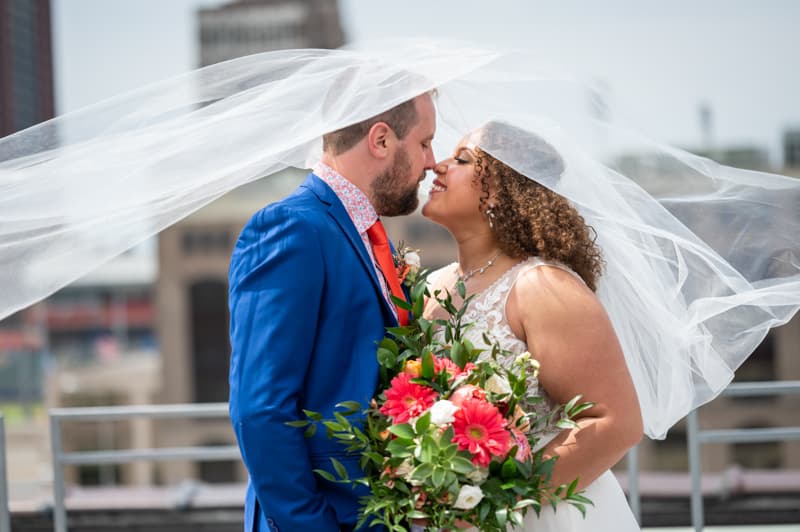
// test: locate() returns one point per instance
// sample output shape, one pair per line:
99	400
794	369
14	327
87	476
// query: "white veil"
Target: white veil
701	259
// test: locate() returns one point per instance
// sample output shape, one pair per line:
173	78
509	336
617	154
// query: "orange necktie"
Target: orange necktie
383	254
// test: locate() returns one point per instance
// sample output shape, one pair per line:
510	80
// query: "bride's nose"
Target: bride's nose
440	168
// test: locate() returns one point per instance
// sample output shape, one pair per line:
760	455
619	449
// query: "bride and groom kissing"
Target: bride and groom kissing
311	280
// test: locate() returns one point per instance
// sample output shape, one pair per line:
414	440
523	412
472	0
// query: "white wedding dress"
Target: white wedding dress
610	511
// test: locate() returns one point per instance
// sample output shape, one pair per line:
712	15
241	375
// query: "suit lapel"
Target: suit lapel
339	214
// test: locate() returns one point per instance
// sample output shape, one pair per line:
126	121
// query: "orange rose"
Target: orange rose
413	368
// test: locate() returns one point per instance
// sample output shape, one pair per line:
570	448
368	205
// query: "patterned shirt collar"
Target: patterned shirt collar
355	202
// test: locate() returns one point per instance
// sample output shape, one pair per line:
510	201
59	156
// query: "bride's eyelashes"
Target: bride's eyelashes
459	160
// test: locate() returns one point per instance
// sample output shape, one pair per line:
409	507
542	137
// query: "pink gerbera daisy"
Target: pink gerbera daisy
480	429
405	399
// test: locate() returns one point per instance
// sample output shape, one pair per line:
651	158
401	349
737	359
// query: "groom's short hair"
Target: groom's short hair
401	118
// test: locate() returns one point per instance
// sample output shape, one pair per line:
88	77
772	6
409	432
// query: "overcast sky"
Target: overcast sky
660	59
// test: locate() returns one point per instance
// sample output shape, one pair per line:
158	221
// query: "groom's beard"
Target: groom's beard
391	193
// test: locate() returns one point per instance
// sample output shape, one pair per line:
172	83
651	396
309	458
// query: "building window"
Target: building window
206	242
210	344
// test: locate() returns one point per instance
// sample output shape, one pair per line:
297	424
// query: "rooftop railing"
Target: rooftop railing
697	437
113	413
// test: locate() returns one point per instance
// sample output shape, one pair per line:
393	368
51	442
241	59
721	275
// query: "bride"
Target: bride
529	258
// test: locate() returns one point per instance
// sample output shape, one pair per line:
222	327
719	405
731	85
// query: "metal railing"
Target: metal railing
60	458
634	498
696	437
5	516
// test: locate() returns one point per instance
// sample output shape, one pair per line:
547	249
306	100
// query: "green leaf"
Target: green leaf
427	365
375	457
438	476
461	465
502	516
509	469
298	423
524	503
352	406
423	423
391	345
386	358
516	518
422	472
462	289
417	514
316	416
572	487
458	355
326	475
401	303
310	431
334	426
418	307
483	512
403	430
340	469
398	449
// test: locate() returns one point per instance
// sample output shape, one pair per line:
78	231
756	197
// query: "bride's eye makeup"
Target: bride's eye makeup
462	156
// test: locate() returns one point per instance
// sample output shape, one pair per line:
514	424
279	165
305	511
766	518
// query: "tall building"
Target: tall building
245	27
26	64
192	288
791	148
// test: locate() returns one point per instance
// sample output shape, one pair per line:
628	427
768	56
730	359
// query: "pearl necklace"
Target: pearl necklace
479	270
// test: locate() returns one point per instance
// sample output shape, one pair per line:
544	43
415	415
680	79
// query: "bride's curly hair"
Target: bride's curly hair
529	219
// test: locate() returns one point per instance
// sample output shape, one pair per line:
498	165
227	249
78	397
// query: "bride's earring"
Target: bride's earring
490	216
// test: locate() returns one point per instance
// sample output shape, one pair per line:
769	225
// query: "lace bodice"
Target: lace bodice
487	313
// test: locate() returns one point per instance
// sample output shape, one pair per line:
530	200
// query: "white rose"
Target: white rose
442	412
468	497
412	259
498	385
478	475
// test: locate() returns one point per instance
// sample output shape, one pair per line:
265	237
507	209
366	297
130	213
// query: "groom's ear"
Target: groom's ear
379	139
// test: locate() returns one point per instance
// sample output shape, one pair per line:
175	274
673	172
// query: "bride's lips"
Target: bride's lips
437	187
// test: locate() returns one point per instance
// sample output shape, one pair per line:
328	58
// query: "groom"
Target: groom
310	284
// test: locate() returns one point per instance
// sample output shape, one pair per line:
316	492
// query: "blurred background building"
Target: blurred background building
26	65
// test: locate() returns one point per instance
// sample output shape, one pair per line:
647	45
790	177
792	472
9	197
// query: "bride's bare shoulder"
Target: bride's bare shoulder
550	292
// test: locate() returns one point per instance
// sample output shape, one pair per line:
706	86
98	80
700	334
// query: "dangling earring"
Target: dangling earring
490	216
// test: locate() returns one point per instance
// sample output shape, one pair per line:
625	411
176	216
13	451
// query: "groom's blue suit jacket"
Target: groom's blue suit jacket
306	314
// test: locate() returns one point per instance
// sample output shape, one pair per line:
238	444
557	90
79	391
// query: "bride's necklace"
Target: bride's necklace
479	270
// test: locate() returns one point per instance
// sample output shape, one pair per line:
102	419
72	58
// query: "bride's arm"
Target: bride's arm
569	333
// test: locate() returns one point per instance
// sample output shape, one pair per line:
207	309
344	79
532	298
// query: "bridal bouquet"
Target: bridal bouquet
448	437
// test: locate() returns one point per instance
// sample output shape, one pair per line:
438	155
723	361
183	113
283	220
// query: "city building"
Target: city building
26	65
245	27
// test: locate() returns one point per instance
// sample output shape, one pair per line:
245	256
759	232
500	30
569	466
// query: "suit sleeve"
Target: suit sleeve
276	287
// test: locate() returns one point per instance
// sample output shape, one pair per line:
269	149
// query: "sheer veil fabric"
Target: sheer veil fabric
702	259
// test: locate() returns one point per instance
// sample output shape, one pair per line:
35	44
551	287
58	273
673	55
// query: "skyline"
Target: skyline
661	62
